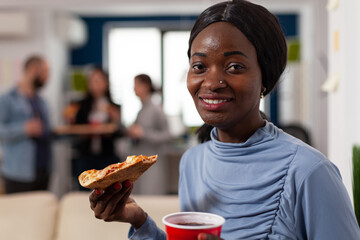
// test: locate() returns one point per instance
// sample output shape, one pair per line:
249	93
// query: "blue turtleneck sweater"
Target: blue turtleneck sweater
273	186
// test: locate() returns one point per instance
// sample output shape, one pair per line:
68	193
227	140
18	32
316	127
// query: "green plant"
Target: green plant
356	181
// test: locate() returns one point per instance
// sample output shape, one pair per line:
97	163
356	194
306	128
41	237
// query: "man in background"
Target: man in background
25	131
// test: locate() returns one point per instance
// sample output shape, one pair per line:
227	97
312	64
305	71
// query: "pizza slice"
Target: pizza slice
131	170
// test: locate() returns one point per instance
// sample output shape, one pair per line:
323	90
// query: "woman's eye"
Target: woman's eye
198	67
235	67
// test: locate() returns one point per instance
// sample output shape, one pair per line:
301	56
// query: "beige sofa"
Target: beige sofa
41	216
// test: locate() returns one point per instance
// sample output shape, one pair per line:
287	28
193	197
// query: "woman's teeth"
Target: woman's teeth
214	101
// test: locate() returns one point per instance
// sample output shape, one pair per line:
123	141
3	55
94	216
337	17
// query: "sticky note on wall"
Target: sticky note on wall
333	5
331	84
336	41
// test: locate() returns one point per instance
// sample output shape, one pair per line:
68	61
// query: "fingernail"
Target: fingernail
97	192
127	184
117	186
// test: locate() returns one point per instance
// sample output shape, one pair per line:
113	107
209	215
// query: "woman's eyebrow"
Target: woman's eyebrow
199	54
226	54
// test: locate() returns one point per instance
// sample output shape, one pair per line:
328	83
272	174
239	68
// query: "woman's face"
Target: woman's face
98	84
224	77
141	89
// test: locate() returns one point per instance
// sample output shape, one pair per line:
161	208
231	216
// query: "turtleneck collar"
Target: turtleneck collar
261	135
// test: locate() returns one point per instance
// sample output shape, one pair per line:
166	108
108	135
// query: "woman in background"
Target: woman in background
150	133
96	150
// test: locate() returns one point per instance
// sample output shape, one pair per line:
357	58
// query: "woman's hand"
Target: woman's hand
114	204
136	131
205	236
33	127
114	114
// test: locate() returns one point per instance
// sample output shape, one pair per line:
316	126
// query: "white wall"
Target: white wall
318	99
41	40
344	102
14	50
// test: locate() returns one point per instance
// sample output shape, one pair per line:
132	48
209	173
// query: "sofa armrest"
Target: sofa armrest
30	216
77	221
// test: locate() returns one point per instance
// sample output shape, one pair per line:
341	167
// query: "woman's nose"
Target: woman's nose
214	79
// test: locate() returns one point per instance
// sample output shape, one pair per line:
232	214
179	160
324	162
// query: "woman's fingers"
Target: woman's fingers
98	203
94	196
117	202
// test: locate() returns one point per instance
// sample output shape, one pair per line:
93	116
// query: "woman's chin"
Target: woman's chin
216	122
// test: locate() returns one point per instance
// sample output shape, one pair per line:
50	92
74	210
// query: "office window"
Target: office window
139	50
132	51
177	100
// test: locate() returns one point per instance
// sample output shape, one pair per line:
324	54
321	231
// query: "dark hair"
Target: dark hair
145	79
31	60
86	104
260	27
105	74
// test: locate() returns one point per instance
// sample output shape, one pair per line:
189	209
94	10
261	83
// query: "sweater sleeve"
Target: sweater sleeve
9	131
148	231
324	210
159	131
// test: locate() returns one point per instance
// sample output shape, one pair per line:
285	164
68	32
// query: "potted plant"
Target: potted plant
356	181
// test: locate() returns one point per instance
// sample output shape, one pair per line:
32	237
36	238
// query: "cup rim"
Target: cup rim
220	223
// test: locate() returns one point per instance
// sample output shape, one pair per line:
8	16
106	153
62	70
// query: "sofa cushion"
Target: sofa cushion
158	206
77	220
28	216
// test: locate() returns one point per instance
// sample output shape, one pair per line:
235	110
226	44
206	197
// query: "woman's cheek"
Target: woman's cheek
193	84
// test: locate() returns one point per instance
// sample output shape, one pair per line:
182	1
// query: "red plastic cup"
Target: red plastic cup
188	225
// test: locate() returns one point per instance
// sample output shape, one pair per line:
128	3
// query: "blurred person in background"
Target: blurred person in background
149	133
25	131
96	149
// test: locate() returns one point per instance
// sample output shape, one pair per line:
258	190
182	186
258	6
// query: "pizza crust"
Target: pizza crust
130	170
